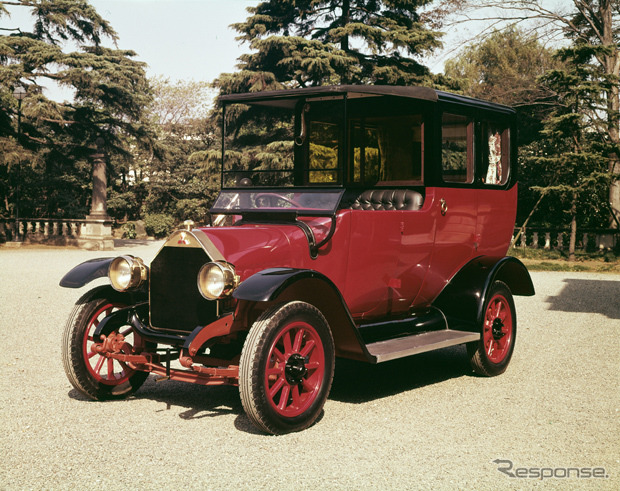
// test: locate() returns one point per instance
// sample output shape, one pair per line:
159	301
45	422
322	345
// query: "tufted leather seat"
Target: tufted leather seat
388	199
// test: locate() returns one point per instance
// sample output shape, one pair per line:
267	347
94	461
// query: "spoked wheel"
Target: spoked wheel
92	374
491	355
286	368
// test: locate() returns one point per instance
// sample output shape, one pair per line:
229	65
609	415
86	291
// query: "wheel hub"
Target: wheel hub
497	329
295	369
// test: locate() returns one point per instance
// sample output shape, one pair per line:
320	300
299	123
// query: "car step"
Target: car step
418	343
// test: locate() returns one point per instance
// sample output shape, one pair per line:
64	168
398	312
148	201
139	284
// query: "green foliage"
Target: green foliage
318	42
50	156
158	225
129	231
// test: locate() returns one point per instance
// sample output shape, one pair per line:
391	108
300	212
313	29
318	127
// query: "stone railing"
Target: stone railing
42	230
545	238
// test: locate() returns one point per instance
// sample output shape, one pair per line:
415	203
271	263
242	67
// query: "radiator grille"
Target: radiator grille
175	302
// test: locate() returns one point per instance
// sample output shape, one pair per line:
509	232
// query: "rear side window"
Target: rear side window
457	148
497	155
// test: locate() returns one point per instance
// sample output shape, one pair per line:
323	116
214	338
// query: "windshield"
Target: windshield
300	202
291	144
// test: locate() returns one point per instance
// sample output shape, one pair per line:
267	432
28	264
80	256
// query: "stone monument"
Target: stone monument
96	230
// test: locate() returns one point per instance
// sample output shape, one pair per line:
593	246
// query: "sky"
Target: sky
179	39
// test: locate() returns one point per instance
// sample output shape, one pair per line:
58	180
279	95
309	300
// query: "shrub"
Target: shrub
158	224
129	230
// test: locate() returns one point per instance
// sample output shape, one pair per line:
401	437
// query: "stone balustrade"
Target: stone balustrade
544	238
42	230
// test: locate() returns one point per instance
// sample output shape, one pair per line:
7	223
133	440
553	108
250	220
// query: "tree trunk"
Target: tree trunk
611	66
573	229
344	42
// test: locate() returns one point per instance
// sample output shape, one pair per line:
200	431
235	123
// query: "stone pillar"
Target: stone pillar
96	230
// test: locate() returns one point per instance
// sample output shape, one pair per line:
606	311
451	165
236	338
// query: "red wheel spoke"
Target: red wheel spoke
299	336
308	387
308	348
99	364
91	354
498	308
279	370
279	356
286	391
110	368
286	339
296	396
490	348
313	365
276	387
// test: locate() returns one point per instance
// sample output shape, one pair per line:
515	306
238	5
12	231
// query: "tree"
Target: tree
570	150
110	90
505	68
592	24
167	179
317	42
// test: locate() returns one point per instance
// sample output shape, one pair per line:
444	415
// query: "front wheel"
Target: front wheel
286	368
94	375
490	356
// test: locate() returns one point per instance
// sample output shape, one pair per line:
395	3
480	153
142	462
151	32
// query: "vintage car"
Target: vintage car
367	222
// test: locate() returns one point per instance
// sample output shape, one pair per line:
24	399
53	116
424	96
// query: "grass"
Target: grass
554	260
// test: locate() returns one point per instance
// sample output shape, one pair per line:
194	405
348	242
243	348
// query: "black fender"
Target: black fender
86	272
306	285
462	300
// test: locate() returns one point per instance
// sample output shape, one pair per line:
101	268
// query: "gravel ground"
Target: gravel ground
419	423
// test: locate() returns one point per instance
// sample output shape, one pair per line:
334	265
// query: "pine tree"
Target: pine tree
109	89
300	43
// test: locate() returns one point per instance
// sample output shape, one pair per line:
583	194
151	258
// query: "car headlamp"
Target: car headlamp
127	273
217	280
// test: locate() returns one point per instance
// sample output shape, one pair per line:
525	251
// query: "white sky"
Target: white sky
179	39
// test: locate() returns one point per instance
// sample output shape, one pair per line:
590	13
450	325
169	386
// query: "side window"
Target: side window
457	148
323	153
388	150
497	155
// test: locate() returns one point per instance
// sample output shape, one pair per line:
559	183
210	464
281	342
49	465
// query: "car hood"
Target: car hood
254	247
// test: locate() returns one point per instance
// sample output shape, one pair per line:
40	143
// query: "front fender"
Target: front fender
306	285
86	272
462	300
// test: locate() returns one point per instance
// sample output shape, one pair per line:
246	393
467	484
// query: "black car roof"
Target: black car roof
288	97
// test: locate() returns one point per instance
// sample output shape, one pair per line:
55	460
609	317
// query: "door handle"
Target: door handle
444	206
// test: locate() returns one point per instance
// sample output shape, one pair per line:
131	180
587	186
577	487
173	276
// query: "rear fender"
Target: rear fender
287	284
86	272
462	300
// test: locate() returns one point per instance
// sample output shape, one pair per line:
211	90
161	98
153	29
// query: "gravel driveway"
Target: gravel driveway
418	423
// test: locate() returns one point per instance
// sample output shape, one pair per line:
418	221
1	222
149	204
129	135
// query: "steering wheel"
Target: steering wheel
272	199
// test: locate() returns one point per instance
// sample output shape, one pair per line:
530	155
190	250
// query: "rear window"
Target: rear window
457	148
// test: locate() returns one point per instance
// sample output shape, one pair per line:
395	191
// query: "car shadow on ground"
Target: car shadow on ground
588	296
129	243
354	383
358	382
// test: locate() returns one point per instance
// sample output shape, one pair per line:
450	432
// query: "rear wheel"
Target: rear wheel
490	356
286	368
94	375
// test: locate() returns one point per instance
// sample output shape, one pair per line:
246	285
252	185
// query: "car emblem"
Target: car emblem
183	240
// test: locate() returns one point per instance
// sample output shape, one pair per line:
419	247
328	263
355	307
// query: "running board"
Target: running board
418	343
